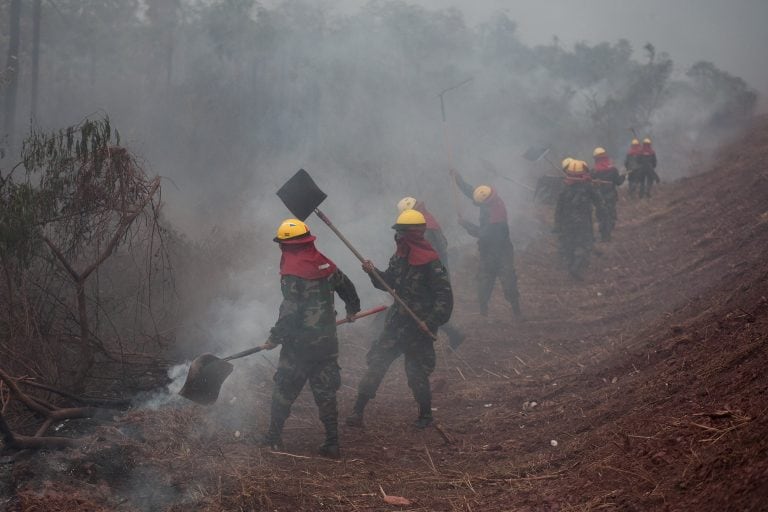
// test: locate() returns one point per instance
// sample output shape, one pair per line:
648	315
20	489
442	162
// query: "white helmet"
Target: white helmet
406	203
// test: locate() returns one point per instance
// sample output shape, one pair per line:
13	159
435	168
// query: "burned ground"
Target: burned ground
649	377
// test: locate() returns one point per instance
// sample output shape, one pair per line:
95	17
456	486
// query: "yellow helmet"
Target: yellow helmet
635	142
291	229
406	203
410	219
481	193
565	163
598	151
646	140
576	168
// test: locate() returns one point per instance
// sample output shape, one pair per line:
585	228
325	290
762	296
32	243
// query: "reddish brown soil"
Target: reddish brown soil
650	375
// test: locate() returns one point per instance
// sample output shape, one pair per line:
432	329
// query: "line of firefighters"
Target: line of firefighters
596	188
417	271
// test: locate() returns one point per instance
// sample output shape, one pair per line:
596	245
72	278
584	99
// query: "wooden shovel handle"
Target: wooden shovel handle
341	321
377	276
363	314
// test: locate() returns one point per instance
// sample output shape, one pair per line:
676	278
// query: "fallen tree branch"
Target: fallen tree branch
50	415
95	402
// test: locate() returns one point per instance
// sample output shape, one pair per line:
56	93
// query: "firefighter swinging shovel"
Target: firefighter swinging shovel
302	197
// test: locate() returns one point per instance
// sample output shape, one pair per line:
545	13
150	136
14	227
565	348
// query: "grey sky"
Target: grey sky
732	34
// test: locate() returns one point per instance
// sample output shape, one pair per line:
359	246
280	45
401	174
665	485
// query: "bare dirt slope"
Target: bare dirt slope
650	376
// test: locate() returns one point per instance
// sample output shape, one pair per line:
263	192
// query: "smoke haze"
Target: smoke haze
228	99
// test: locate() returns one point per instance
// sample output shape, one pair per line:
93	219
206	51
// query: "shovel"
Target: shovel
534	154
492	169
302	197
207	372
447	144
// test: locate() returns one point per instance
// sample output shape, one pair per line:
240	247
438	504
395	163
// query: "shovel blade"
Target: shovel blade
301	195
534	153
206	375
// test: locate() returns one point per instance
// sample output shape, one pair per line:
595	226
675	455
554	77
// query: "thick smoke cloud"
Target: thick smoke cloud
227	99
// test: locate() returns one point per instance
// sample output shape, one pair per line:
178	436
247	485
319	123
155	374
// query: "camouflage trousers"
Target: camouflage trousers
293	371
501	266
575	248
606	214
641	184
419	353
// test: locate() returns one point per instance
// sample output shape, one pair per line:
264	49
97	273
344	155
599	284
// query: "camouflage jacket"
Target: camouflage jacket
492	238
647	162
606	186
307	320
574	208
610	175
425	288
632	162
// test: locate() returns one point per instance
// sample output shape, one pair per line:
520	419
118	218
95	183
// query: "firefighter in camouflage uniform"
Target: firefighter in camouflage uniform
646	161
494	246
573	216
607	178
434	235
306	329
632	164
416	274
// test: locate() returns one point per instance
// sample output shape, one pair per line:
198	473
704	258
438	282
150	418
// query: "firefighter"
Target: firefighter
493	243
607	178
573	217
647	164
417	275
306	329
632	164
434	235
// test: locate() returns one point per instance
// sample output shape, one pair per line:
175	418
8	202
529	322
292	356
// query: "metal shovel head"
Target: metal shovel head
301	195
535	153
206	375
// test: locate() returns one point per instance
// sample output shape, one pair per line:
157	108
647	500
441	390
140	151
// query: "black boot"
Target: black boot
356	418
425	416
330	448
455	336
273	438
516	308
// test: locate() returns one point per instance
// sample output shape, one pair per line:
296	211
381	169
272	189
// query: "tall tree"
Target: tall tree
13	69
37	14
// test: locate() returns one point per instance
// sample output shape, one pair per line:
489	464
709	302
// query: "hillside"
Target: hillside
650	375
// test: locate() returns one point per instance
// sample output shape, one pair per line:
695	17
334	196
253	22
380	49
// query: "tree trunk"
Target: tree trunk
37	13
86	349
12	68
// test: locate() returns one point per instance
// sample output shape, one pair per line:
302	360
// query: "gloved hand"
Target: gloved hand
350	318
368	267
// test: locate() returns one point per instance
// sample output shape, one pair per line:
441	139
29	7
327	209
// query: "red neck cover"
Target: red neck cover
497	212
411	244
305	261
431	222
647	150
603	163
635	149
